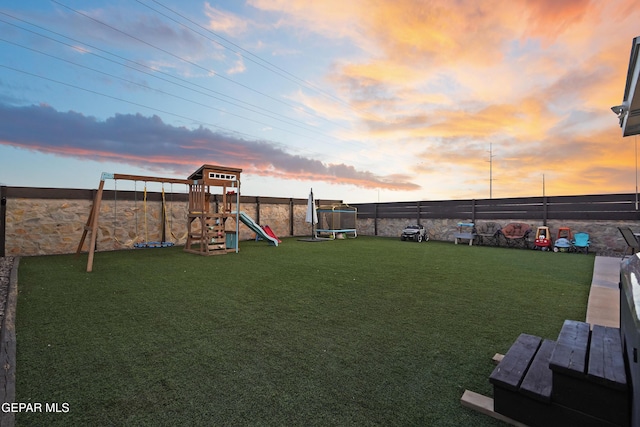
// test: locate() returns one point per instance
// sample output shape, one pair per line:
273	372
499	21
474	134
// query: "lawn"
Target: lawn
366	331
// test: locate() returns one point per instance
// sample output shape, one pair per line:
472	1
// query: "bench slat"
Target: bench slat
511	370
538	381
606	363
570	354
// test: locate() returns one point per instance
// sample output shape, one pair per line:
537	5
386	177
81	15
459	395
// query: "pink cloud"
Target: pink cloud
149	142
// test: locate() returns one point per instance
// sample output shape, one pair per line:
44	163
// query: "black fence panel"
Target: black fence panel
617	207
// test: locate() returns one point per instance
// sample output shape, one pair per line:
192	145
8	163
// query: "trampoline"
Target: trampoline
337	220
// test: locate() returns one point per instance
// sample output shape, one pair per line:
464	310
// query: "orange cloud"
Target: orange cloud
546	19
572	164
442	80
427	86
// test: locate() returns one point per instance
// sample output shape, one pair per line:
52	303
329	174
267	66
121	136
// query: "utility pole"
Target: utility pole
491	170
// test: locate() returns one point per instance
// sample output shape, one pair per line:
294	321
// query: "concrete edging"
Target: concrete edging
603	306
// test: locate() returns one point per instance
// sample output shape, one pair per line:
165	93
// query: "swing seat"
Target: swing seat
144	245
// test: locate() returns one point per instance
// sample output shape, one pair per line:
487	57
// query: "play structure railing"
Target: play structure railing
197	197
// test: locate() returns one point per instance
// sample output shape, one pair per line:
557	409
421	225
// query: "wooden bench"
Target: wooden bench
580	379
465	231
594	374
522	381
589	374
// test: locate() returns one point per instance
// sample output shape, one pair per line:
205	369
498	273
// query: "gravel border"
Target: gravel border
6	263
8	302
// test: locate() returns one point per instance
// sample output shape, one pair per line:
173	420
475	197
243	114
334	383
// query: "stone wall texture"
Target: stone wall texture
55	226
604	235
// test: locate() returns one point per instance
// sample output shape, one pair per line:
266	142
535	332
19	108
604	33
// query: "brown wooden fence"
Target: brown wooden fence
607	207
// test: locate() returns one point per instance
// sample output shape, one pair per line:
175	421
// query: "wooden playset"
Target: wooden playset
207	232
206	228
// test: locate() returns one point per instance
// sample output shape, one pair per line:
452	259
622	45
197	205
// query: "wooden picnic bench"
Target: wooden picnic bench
577	380
589	376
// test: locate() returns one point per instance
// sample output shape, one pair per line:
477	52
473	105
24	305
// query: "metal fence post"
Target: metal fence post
473	211
3	218
291	217
258	209
375	220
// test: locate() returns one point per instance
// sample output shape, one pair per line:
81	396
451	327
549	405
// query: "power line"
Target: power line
261	61
208	70
116	98
158	110
154	89
153	74
247	106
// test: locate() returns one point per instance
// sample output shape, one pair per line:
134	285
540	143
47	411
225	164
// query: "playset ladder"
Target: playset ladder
206	234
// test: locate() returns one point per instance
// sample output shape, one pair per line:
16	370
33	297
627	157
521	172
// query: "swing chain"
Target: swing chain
135	204
115	209
171	210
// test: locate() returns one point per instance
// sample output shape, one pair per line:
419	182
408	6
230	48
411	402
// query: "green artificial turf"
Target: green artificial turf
366	331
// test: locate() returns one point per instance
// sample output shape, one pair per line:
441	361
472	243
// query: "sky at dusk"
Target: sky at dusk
363	100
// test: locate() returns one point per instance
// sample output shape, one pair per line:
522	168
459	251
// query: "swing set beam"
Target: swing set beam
126	177
92	221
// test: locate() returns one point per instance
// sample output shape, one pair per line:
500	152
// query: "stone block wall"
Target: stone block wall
41	226
55	226
604	235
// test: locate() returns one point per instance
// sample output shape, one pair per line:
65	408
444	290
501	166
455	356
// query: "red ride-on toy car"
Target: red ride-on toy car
543	239
564	240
